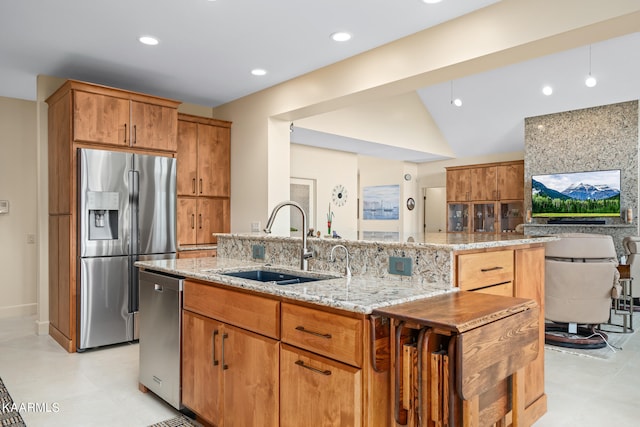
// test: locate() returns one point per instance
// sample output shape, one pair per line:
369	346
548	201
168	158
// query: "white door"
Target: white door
435	209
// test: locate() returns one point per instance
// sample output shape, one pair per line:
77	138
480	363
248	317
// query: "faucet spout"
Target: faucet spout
305	253
347	269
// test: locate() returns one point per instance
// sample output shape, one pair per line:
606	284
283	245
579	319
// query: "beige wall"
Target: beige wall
375	172
330	168
18	258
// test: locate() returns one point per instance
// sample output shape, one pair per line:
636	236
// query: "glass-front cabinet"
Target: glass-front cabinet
484	217
510	216
458	217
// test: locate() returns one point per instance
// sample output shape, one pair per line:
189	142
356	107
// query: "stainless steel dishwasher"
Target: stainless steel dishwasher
160	317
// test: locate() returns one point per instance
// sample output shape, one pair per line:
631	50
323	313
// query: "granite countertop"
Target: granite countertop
356	294
444	241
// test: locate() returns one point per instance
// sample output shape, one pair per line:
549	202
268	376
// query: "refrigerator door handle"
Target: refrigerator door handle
134	197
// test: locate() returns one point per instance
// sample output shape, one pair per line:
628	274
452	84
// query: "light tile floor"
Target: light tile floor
100	388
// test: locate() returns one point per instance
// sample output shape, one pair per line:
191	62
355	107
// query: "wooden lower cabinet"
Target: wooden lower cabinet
317	391
198	218
203	253
229	375
517	272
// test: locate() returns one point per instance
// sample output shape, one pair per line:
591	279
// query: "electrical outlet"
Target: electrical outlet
400	265
255	226
257	251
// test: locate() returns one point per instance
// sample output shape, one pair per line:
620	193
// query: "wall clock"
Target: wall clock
339	195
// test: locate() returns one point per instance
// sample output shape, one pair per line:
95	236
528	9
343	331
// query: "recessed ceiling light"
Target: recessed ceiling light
457	102
590	81
431	1
547	90
258	72
148	40
341	36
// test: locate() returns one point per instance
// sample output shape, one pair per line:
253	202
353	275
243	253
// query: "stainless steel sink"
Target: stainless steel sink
273	276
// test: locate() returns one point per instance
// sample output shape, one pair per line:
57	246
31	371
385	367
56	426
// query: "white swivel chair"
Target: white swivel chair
580	277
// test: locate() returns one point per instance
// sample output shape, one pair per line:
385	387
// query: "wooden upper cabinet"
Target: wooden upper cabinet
494	181
187	154
511	181
214	158
101	119
458	188
204	157
483	183
153	126
107	116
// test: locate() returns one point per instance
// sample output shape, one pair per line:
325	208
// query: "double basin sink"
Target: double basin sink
275	277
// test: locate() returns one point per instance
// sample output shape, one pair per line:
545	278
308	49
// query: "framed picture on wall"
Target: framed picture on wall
381	202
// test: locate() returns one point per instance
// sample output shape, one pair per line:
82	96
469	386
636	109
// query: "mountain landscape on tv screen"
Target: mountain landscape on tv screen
578	199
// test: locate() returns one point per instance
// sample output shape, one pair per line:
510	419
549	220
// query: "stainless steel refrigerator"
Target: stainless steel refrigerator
127	212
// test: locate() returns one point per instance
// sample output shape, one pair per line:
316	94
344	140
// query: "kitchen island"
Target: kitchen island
317	350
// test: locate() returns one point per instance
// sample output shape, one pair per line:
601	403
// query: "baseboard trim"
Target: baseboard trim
22	310
42	328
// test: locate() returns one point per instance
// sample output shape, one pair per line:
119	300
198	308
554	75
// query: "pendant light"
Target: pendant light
590	81
457	101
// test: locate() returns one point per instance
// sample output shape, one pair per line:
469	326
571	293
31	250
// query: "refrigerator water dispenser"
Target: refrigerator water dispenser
102	208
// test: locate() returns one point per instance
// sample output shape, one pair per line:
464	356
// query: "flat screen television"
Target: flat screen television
576	194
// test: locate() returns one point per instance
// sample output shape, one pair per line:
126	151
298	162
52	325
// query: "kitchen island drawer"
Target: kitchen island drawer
252	312
329	334
478	270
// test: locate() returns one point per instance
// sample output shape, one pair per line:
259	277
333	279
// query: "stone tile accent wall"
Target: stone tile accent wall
600	138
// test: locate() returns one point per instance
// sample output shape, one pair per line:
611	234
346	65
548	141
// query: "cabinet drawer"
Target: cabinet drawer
320	391
484	269
504	289
328	334
251	312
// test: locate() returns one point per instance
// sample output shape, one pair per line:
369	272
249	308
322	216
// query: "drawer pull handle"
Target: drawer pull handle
311	368
224	365
317	334
213	347
485	270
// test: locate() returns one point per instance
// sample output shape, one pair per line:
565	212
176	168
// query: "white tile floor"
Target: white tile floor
100	388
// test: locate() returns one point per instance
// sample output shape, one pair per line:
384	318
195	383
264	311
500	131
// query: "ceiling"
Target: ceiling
208	48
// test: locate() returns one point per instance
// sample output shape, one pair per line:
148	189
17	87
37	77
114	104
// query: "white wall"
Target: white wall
330	168
18	259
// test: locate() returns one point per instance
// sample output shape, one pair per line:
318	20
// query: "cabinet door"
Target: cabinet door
484	183
511	182
101	119
186	221
316	391
458	185
250	365
154	126
201	366
187	154
212	217
214	158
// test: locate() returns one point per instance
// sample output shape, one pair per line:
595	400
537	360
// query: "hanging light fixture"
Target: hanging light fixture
590	81
457	102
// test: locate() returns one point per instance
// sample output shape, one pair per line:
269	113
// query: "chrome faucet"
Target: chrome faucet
348	269
305	253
